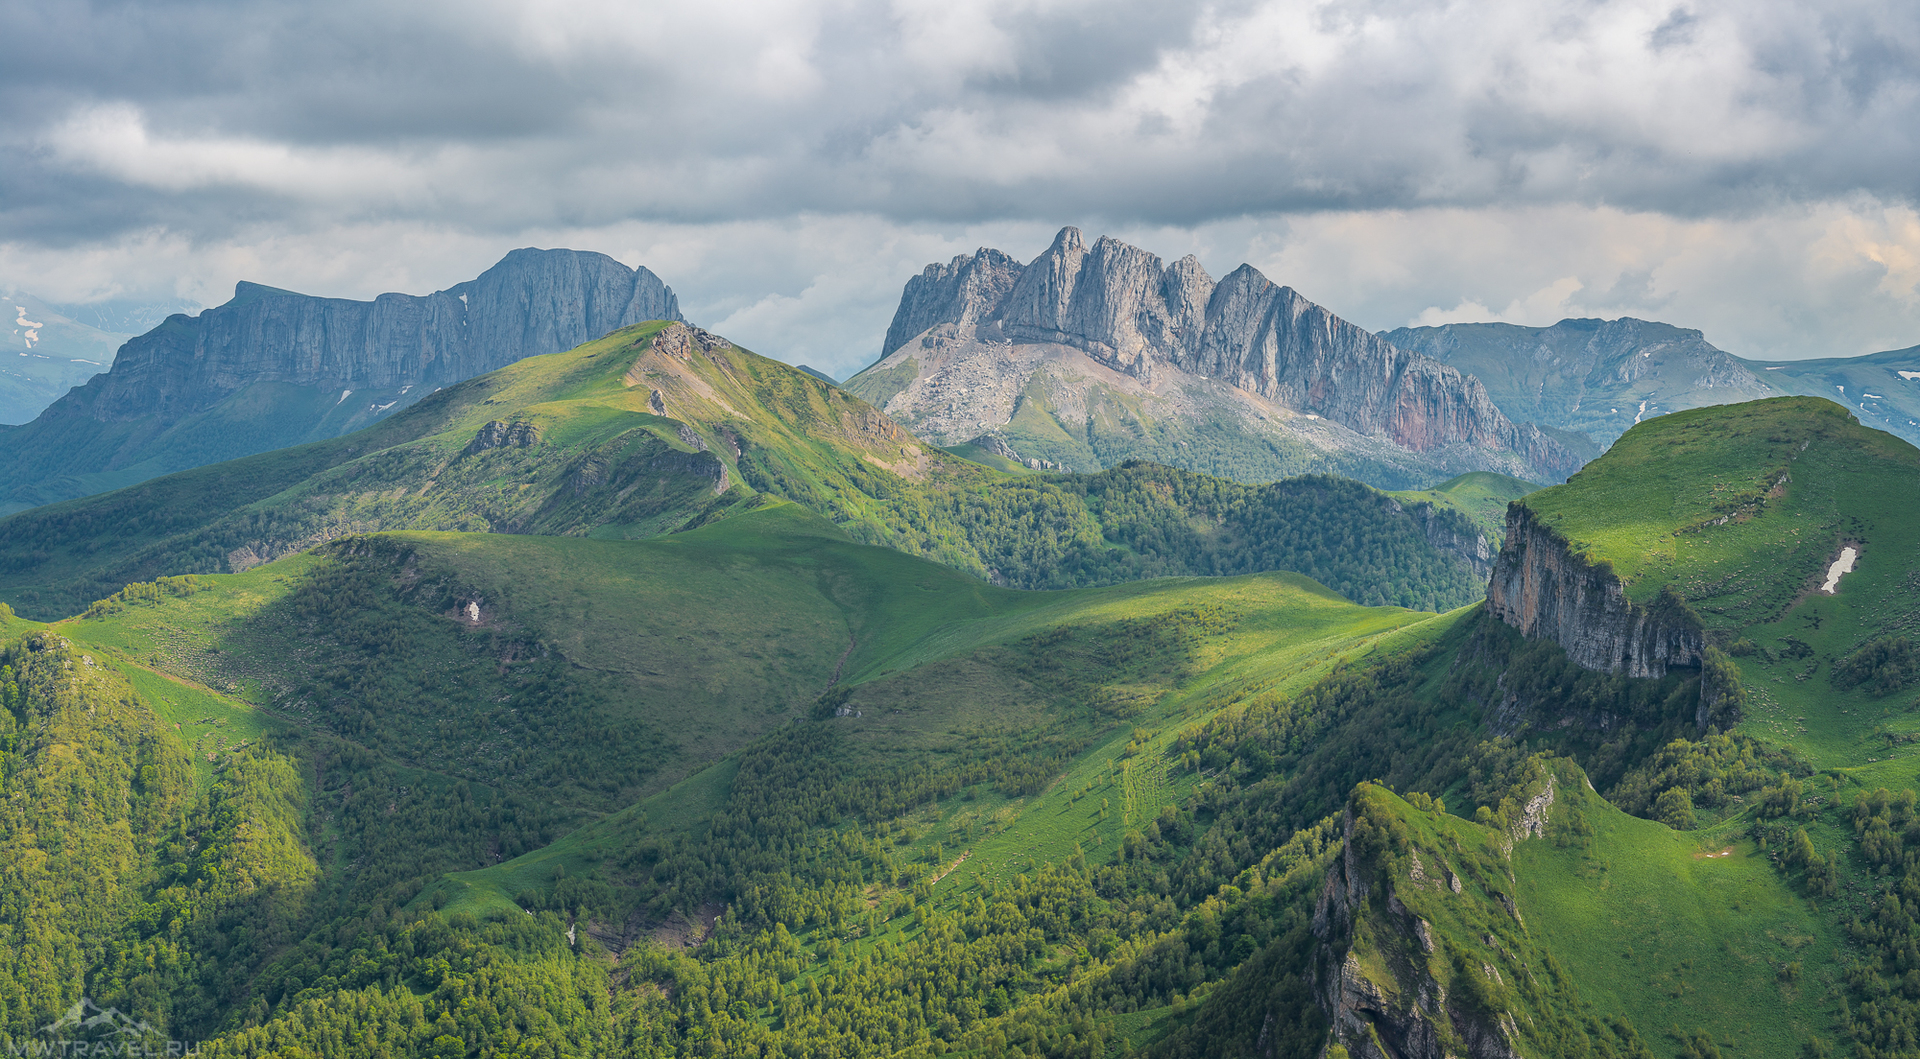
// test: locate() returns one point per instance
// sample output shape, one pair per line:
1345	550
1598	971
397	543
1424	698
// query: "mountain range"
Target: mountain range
1593	379
271	368
1091	355
654	698
46	354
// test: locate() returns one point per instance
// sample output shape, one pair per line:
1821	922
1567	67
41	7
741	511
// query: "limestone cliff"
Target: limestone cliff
1152	324
272	368
1419	934
1453	533
532	302
1545	591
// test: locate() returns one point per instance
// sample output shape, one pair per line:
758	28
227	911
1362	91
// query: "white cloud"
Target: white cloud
1745	166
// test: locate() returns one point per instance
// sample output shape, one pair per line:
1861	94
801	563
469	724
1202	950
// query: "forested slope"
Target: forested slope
659	428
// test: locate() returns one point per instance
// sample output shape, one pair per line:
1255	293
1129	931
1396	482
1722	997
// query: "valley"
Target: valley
653	698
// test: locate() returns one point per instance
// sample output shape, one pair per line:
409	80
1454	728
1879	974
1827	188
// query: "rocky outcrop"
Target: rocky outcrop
954	293
679	340
519	434
532	302
1391	1005
1130	313
1542	589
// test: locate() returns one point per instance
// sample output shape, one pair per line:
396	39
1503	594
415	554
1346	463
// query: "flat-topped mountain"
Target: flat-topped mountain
272	368
1597	378
1090	355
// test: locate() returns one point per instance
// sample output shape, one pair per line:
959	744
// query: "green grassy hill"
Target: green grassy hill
763	787
619	439
1482	496
971	735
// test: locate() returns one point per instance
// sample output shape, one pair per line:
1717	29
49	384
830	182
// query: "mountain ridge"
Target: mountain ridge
1242	348
272	368
1597	378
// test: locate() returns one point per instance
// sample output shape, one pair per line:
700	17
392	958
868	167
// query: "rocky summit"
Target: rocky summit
272	368
1090	355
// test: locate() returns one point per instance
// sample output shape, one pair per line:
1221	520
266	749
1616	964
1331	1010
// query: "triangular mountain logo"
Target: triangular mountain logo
85	1018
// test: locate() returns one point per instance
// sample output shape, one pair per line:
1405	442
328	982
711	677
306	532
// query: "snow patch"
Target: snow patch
1839	387
1776	368
1842	565
1908	375
1875	396
33	329
344	394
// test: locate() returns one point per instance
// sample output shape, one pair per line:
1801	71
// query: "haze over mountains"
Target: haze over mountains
1091	355
1599	377
659	671
272	368
47	352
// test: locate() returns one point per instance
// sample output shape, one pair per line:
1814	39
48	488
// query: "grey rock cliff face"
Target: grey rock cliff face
1128	311
1453	533
953	293
532	302
1541	589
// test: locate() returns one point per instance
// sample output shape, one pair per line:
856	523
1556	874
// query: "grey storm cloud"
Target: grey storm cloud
497	116
1746	167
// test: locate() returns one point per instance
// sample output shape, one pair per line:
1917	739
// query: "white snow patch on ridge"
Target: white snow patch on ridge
1842	565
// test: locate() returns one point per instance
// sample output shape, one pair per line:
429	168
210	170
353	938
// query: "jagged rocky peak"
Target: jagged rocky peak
963	291
1132	313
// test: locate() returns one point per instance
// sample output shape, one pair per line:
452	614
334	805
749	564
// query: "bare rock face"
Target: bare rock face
1407	1012
532	302
1453	533
955	293
1542	589
497	434
1130	313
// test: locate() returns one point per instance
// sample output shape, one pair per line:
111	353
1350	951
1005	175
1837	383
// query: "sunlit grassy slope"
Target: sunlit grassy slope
1026	665
614	439
1741	510
1482	496
676	650
1673	928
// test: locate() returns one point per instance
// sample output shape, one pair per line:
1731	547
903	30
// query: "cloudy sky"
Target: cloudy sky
1749	168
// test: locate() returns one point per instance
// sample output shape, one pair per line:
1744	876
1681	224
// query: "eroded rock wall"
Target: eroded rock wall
1130	312
532	302
1542	589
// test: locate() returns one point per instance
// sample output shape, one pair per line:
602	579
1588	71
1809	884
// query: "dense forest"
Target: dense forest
1145	520
248	916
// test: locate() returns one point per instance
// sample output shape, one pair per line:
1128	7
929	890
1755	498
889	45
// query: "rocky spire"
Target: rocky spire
1124	309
